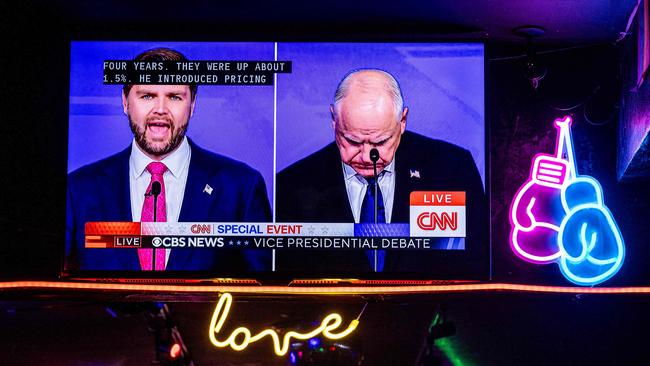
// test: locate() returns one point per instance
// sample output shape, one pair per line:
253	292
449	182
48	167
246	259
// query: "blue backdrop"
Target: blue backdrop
443	86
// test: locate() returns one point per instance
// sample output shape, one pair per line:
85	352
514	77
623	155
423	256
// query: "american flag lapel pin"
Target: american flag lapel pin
414	173
207	189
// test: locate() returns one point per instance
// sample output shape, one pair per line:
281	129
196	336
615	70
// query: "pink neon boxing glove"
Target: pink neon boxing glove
536	212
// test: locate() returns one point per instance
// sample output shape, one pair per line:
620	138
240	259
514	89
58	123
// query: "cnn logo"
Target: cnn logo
433	220
201	229
437	214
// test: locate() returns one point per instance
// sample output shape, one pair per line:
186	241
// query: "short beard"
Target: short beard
174	142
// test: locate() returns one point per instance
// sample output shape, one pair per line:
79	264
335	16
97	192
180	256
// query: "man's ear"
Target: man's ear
125	103
192	106
333	114
402	120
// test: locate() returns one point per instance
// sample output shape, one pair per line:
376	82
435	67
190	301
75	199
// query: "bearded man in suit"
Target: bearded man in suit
195	186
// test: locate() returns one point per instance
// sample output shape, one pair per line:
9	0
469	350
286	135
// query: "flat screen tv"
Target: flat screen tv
277	160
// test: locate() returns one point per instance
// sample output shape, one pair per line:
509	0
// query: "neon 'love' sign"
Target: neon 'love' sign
241	337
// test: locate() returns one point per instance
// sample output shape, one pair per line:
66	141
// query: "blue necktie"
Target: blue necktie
368	216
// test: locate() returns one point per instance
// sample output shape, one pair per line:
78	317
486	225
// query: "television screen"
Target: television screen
277	160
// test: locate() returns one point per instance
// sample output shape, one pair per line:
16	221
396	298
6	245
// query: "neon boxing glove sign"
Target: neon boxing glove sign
559	216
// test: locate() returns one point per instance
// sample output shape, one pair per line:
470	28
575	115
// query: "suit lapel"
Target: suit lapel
196	204
403	188
115	190
335	191
115	194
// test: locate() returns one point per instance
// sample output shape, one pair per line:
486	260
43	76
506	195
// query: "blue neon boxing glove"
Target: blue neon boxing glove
591	244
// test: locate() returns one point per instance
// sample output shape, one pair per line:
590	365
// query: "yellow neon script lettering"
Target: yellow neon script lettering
327	327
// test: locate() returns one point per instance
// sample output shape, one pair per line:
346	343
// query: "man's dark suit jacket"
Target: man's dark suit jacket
313	190
100	192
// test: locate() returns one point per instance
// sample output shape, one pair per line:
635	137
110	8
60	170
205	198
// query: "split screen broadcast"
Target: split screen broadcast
274	157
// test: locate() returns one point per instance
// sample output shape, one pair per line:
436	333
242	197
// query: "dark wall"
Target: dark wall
585	84
582	82
33	109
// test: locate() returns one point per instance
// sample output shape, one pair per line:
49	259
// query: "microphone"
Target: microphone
374	157
155	190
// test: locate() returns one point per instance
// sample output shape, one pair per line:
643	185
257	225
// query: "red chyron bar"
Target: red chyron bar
218	229
130	234
103	234
432	214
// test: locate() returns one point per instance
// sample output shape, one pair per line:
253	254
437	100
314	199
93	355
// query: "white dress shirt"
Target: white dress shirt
175	178
356	186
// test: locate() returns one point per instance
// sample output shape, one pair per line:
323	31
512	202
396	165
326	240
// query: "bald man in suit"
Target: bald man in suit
332	184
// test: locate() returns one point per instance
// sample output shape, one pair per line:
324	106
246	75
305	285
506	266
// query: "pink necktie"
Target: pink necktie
157	169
